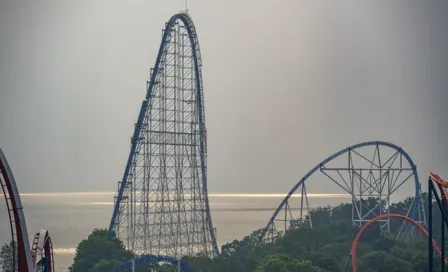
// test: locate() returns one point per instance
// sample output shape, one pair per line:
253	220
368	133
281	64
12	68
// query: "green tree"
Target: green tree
320	216
242	255
200	263
106	265
100	247
382	261
325	247
6	257
275	263
284	263
324	260
305	266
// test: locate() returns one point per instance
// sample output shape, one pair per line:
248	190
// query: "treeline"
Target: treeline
325	247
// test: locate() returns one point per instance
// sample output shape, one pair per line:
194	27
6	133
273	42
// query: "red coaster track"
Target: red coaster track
379	217
42	252
24	260
16	217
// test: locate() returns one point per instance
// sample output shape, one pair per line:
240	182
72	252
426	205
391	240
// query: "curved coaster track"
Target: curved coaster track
38	258
365	171
161	206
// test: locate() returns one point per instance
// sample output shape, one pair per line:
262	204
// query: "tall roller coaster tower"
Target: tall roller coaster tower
161	206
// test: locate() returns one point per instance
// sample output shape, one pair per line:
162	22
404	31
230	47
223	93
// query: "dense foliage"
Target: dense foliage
325	247
6	257
102	251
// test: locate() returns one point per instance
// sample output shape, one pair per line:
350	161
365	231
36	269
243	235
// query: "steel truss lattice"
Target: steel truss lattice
161	207
370	174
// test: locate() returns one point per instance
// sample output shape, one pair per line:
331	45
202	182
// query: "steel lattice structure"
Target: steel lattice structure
365	171
161	207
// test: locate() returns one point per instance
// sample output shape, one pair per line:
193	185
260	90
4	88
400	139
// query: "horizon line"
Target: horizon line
210	194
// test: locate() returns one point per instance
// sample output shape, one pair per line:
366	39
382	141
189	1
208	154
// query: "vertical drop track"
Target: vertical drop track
161	206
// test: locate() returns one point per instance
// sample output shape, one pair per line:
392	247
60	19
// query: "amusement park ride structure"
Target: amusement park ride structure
161	206
432	242
369	170
434	182
441	200
40	257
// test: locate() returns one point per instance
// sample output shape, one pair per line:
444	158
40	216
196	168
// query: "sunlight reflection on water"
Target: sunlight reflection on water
71	217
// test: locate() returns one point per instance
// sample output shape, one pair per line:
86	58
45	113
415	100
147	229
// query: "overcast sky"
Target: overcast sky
286	84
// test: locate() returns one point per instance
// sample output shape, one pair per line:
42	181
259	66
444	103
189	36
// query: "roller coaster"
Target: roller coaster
432	243
440	197
161	151
161	207
38	258
378	175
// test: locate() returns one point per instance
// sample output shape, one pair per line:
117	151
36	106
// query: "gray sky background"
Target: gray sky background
287	83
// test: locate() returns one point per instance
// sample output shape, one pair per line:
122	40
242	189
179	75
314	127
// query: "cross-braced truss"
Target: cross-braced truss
372	174
371	177
162	206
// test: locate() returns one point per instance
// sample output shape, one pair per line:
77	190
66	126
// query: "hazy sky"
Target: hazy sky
286	83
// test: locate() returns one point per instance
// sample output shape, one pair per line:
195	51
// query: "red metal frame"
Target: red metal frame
379	217
7	180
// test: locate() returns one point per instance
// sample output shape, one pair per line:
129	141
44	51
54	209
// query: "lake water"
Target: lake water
71	217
